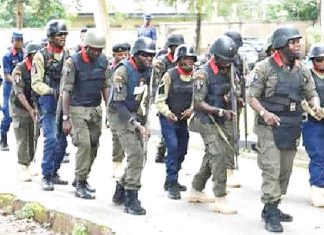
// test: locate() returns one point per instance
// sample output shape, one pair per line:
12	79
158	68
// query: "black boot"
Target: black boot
283	217
173	191
89	188
119	195
182	188
47	183
57	180
4	144
132	205
272	218
81	190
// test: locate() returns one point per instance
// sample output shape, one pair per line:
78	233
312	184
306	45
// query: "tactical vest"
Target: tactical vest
218	86
28	92
168	64
319	87
89	80
286	103
134	79
53	68
180	93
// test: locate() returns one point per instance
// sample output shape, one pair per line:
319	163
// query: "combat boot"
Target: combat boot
221	206
89	188
272	218
81	190
119	195
232	180
57	180
282	216
47	183
132	205
317	196
199	196
23	173
4	144
182	188
173	191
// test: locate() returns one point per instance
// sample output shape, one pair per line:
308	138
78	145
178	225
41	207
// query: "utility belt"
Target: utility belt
281	104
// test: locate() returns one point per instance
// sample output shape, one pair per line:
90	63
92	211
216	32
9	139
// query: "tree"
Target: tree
30	13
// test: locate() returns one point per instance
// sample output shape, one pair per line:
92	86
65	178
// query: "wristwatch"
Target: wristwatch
262	112
221	112
65	117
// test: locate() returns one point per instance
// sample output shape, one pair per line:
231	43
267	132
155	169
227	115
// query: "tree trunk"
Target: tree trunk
19	14
198	32
101	16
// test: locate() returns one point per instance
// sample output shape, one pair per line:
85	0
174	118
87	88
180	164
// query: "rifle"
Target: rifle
59	116
235	133
36	131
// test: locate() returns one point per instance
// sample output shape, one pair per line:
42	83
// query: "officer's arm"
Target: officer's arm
162	95
68	79
18	88
106	85
309	89
7	68
200	92
120	78
37	76
154	34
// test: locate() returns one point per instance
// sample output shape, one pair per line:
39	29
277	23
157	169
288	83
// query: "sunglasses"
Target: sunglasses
319	59
145	54
61	34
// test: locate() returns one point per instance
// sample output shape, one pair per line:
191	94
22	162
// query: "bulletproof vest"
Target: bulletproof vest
319	87
286	100
28	92
135	78
180	93
89	80
168	64
53	68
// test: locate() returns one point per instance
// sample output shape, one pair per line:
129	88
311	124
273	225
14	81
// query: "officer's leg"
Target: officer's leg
230	163
6	120
117	151
95	132
287	161
204	173
59	153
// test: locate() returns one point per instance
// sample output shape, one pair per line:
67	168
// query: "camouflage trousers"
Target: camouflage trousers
24	133
86	130
276	165
117	151
214	161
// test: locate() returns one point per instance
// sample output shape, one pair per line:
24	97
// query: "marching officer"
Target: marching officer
85	81
275	94
126	115
10	60
147	29
313	129
174	103
46	76
161	65
212	109
23	112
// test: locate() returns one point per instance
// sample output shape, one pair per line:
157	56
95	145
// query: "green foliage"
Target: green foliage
79	229
36	12
27	212
301	9
314	34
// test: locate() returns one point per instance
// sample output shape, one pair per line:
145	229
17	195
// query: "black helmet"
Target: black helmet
16	35
143	44
316	50
32	47
174	40
236	36
283	34
54	27
184	50
224	47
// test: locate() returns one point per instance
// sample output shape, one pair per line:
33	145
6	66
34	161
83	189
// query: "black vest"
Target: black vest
28	92
180	93
319	87
168	64
53	68
89	80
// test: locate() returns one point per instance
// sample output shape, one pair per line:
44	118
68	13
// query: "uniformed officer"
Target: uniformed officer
23	112
10	60
275	94
161	65
85	81
313	129
46	77
126	115
147	30
120	52
212	104
174	103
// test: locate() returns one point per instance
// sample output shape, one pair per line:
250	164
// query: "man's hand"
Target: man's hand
172	117
33	114
67	127
143	131
271	119
318	111
186	114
